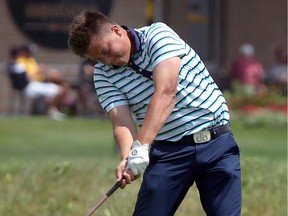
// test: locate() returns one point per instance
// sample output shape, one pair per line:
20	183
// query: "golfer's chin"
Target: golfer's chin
121	63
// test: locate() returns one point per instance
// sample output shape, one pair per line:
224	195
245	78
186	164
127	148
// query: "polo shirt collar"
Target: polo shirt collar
135	39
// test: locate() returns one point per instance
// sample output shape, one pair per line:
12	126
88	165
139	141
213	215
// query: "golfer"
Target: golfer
150	74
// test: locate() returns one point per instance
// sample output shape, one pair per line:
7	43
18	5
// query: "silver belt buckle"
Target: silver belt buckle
202	137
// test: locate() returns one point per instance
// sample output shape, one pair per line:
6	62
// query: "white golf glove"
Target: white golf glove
138	158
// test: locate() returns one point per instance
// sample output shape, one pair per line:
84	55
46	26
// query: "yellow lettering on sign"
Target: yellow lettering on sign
197	18
54	11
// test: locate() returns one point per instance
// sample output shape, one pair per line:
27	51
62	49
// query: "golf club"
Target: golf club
109	193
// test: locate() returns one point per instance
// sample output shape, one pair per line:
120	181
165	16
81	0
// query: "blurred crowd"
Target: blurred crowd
48	93
255	79
39	89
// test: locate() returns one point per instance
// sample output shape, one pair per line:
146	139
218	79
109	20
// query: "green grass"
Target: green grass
51	168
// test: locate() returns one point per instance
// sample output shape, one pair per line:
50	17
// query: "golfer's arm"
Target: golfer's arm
124	129
165	77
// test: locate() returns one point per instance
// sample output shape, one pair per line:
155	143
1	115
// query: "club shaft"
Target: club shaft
97	205
104	198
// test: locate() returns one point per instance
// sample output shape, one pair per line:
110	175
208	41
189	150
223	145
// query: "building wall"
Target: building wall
263	23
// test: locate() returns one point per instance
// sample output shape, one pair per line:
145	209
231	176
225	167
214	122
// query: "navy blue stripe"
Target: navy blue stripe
162	44
199	74
162	54
215	101
179	126
109	92
142	93
199	96
163	32
114	102
196	88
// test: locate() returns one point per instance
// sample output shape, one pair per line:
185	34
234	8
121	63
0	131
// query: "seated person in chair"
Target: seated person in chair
27	77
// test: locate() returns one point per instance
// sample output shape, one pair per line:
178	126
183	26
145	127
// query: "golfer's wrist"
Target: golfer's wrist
124	156
139	142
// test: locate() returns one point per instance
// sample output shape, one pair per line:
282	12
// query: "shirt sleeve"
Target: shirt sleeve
109	96
163	43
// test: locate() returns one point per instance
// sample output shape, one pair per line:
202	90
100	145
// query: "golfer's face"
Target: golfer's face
110	49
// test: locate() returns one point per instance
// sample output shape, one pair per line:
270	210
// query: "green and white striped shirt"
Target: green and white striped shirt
199	102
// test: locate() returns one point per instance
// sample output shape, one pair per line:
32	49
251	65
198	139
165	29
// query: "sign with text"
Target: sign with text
46	22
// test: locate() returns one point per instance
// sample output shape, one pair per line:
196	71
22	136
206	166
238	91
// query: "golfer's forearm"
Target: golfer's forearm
159	110
124	129
165	77
124	140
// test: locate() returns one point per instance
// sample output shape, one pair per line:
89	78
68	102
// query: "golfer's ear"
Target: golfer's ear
116	29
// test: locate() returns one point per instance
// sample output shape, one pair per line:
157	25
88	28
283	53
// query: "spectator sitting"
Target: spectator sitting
25	70
276	73
247	70
18	82
87	95
86	85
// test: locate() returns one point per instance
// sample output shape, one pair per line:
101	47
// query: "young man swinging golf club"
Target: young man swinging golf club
184	134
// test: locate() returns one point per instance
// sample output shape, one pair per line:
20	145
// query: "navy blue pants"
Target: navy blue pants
175	166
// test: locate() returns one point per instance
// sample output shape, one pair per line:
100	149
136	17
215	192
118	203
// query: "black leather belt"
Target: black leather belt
205	135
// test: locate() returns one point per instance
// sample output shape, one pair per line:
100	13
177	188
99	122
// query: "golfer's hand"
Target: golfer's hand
138	158
124	175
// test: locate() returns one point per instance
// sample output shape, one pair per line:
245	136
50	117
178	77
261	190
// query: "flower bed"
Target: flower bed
269	100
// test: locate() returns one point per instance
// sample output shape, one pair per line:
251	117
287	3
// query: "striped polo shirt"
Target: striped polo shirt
199	102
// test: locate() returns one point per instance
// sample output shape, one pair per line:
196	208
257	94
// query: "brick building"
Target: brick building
215	28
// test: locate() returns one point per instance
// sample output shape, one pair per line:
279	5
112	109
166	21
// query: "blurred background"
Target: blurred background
216	29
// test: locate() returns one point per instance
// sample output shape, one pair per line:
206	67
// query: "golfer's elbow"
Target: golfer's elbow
167	96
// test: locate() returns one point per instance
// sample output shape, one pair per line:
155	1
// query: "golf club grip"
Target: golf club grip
114	188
